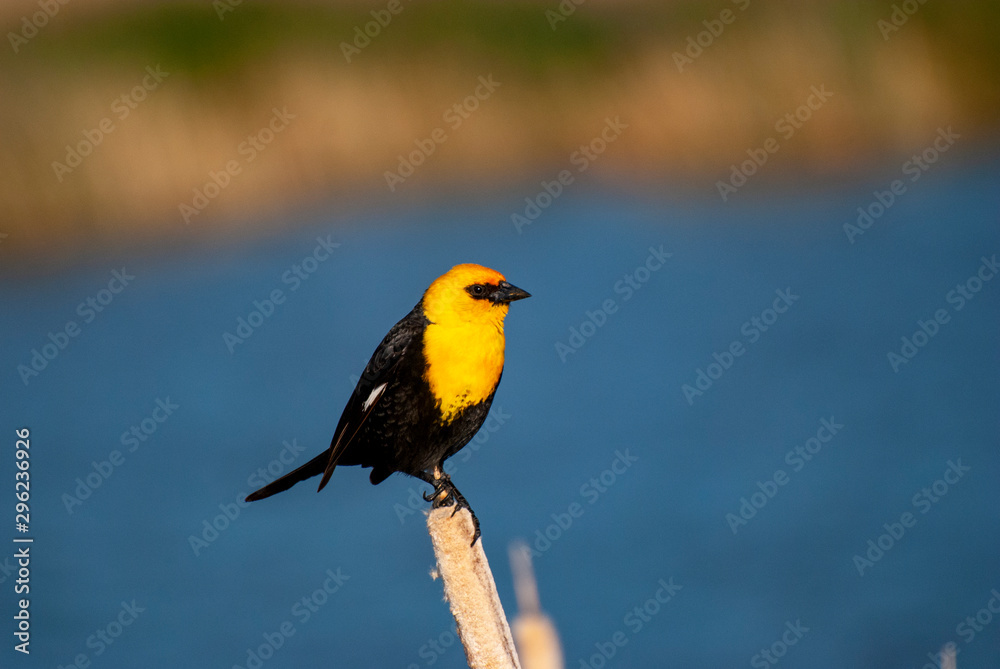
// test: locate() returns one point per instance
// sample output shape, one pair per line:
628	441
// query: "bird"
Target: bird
426	390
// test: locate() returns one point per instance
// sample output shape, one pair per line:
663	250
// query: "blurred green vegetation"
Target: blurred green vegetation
197	42
194	39
355	118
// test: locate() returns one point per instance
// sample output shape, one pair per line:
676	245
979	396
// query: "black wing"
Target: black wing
380	372
380	375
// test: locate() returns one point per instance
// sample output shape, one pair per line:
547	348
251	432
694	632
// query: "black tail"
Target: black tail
312	468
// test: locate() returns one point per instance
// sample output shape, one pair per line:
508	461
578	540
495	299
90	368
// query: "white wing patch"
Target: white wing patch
377	393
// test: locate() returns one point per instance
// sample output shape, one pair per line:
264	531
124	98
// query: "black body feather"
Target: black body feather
401	430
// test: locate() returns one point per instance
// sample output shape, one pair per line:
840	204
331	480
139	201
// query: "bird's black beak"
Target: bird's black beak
506	293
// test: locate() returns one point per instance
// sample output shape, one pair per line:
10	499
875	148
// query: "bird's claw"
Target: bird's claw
451	497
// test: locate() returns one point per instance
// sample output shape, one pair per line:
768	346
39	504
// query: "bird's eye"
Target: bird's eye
478	291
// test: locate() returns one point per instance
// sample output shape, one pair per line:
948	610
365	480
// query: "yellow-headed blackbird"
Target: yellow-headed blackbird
426	390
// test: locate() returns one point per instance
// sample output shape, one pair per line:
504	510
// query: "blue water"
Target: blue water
615	403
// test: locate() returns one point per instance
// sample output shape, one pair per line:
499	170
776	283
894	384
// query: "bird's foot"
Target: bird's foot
439	494
445	493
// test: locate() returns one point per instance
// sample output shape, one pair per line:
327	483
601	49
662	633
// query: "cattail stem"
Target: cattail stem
471	591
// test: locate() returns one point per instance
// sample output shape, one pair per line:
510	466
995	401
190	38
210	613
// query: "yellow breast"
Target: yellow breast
464	362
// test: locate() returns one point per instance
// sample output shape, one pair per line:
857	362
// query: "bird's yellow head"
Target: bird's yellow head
464	341
470	294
